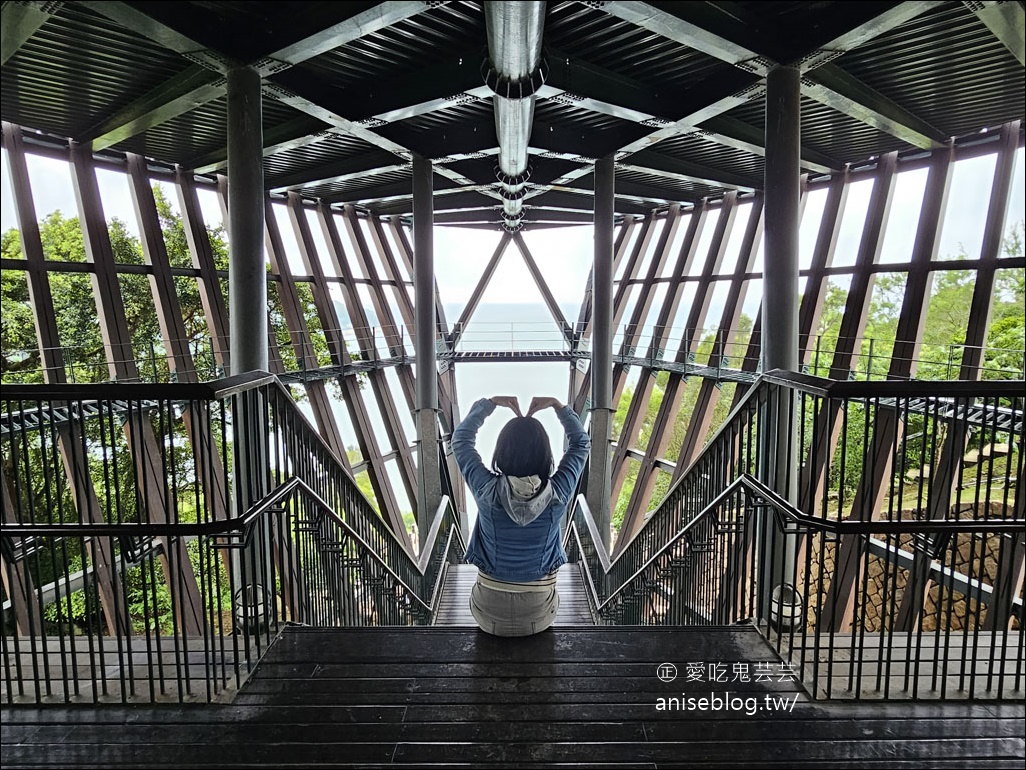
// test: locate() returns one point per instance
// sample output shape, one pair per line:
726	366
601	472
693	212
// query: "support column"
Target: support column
247	274
600	465
783	186
780	325
247	322
429	481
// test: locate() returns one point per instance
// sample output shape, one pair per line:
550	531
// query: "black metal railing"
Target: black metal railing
156	537
891	561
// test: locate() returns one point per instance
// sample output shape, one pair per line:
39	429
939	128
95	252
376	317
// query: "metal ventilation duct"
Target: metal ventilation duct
514	71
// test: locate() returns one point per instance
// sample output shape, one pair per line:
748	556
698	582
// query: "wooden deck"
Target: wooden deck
569	697
454	604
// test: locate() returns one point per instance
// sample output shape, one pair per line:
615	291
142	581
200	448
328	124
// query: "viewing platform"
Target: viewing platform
568	697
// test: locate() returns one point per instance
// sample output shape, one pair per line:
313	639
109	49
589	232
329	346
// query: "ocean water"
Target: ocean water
493	326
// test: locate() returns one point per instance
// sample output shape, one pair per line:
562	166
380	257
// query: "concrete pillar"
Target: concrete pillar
429	482
600	464
778	432
247	273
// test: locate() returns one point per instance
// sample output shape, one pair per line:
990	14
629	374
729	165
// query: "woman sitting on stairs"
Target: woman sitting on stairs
516	543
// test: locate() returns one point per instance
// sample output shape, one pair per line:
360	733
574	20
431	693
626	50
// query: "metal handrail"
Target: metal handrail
818	386
785	510
239	524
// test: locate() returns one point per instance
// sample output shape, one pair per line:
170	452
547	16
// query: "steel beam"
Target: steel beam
299	132
832	86
539	280
20	23
191	88
348	29
475	296
1008	23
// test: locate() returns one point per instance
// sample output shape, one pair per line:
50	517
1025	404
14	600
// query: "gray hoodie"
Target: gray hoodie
524	498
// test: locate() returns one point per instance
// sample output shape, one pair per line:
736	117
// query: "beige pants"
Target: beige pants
514	609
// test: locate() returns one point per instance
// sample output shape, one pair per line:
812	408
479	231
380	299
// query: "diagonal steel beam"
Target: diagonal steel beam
727	35
743	136
539	281
475	297
832	86
699	26
347	30
854	25
344	31
20	23
657	164
351	168
299	132
134	19
1008	23
189	89
354	129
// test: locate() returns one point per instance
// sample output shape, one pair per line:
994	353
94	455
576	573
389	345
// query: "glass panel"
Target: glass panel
947	318
824	339
903	219
853	221
348	252
116	200
1006	335
629	481
53	188
288	240
170	217
704	241
372	249
632	239
624	404
675	246
966	214
77	327
680	319
8	215
1015	220
348	332
313	221
735	237
874	360
19	349
808	230
401	498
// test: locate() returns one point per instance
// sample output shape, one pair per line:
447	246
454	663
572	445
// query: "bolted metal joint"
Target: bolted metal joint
509	87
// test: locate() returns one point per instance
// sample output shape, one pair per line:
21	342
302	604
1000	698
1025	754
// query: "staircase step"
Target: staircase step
454	603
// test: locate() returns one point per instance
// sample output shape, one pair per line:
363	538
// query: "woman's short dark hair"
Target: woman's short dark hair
523	449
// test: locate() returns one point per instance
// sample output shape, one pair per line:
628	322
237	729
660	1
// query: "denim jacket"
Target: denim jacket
501	545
